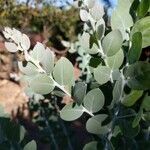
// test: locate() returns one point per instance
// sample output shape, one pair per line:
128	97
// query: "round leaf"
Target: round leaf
91	146
70	113
94	124
63	71
11	47
116	60
94	100
112	42
25	42
143	26
30	146
84	15
102	74
42	84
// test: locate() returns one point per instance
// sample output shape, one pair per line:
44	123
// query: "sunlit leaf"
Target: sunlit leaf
11	47
25	42
112	43
84	15
63	71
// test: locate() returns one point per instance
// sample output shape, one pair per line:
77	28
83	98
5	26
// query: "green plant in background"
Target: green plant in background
118	105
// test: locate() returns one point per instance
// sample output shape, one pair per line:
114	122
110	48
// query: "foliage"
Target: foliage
120	118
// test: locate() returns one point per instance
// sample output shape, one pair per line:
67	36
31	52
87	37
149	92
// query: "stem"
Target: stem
88	112
36	63
62	88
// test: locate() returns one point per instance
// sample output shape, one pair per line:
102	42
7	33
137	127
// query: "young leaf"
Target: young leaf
84	15
112	43
42	84
91	146
79	92
131	99
63	71
136	49
11	47
70	113
25	42
116	60
94	124
102	74
97	11
31	146
121	19
47	61
143	26
94	100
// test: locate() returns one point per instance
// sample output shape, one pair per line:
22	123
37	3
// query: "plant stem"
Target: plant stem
88	112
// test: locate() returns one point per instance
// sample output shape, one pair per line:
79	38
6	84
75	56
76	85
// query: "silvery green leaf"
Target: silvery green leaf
93	50
115	61
116	74
11	47
70	113
63	71
143	26
112	43
42	84
28	69
94	100
131	98
102	74
38	51
47	60
94	124
25	42
31	146
91	146
89	3
85	41
84	15
121	19
79	92
97	11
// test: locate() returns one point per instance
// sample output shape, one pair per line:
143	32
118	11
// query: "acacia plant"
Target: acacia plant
116	96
